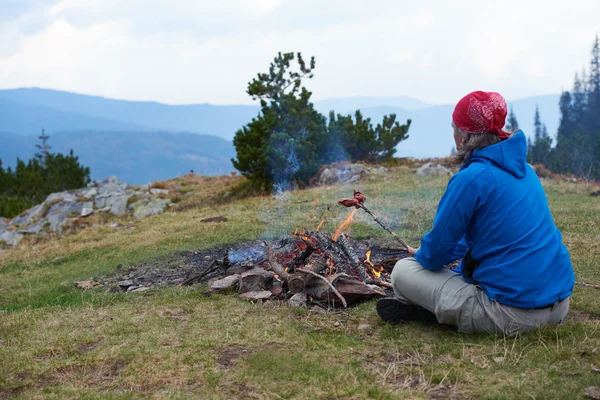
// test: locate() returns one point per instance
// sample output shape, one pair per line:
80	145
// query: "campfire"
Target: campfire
309	267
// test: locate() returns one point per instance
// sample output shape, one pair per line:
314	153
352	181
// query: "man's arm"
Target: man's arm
441	245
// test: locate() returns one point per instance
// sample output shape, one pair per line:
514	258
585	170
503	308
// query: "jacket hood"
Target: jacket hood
509	155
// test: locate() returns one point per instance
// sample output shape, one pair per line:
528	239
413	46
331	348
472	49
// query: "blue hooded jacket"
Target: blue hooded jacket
496	209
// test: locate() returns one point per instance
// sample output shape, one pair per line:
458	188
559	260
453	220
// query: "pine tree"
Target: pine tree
539	148
287	142
594	78
512	125
537	123
44	148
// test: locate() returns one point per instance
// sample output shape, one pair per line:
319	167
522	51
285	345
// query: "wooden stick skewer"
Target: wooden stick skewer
402	242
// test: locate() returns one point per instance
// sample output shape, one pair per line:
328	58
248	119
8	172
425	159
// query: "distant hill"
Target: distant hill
134	158
431	134
351	104
222	121
25	111
28	119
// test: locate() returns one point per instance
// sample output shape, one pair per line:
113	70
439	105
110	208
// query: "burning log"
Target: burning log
345	244
299	260
273	265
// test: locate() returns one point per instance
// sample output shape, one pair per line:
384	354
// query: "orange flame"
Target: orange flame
368	260
344	224
376	272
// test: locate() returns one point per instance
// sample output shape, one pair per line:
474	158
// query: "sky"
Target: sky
194	51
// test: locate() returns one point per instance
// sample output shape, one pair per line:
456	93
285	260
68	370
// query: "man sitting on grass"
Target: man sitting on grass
515	273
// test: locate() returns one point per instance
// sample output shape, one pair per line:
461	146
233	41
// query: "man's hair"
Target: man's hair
474	142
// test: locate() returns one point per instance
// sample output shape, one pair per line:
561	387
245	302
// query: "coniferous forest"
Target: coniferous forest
32	181
577	149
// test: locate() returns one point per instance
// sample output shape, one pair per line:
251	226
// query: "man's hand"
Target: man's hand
412	250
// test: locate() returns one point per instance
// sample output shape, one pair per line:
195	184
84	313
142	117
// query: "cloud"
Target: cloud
186	51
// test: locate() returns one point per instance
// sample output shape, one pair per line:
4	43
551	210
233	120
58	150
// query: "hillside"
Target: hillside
61	341
222	121
429	133
135	157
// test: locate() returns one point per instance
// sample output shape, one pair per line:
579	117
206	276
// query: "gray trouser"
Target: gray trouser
456	302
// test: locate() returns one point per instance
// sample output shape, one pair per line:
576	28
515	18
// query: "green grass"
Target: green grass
57	341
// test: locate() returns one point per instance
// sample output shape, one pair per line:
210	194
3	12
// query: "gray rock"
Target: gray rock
126	283
224	283
117	202
86	212
159	191
62	196
364	327
298	300
11	238
34	229
104	209
146	207
257	295
145	187
28	216
431	169
139	289
347	173
111	184
61	213
89	192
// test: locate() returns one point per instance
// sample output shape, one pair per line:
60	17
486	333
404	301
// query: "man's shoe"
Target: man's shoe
393	311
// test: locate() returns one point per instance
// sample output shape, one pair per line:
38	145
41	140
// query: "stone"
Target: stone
346	173
592	392
146	207
116	201
89	193
224	283
60	213
111	184
62	196
140	289
119	204
364	327
28	216
145	187
159	191
86	212
431	169
11	238
126	283
35	228
104	209
257	295
298	300
86	285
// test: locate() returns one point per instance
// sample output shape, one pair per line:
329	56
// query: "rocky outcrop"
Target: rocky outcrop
431	169
347	173
60	210
148	206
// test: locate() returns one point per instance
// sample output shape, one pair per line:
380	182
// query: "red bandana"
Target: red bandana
481	112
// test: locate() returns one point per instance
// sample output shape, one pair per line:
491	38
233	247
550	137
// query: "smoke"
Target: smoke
283	160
